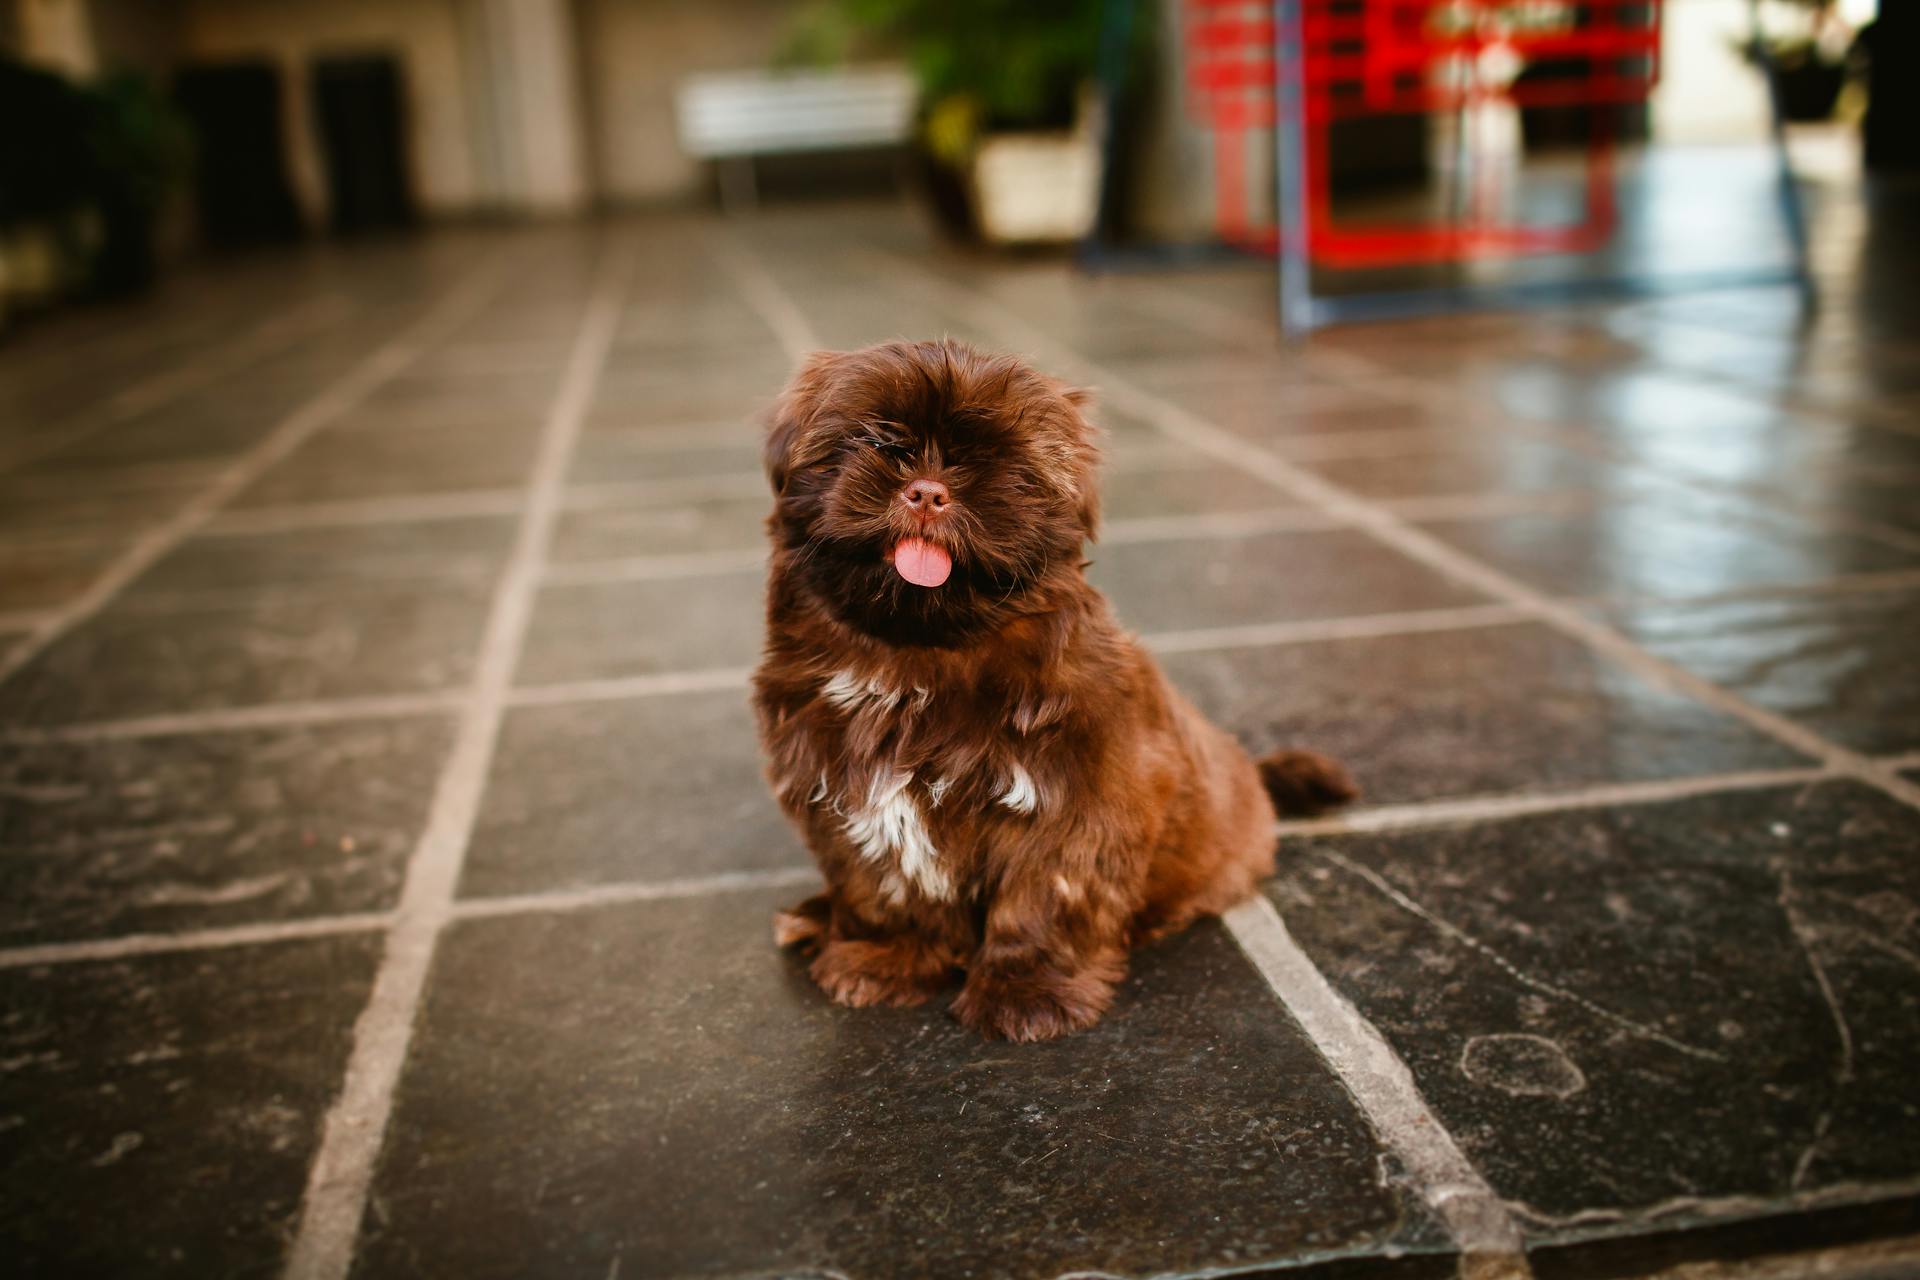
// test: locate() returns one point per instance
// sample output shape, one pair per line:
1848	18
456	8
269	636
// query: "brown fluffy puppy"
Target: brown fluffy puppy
998	783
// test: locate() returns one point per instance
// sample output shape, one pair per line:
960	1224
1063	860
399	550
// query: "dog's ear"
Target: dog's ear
794	412
1086	458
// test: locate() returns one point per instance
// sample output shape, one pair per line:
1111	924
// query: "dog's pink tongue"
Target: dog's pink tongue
922	563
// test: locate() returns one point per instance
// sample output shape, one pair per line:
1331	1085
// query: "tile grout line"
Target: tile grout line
335	399
210	939
1256	635
764	295
261	343
1418	545
1447	812
1413	815
1382	1086
622	688
24	619
267	715
554	901
295	517
341	1175
1359	1056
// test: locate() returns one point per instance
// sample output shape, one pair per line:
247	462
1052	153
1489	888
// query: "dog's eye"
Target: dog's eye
889	446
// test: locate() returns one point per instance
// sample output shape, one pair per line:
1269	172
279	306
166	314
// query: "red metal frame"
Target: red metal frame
1400	57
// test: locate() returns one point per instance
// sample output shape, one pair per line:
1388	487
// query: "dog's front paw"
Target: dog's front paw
862	973
1032	1005
804	924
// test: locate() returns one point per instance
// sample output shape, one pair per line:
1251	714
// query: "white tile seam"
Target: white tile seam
1379	1083
213	938
340	1176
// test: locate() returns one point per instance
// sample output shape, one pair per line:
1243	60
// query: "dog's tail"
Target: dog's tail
1303	783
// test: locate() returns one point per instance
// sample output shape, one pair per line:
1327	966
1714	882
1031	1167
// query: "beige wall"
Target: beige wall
426	36
56	34
634	52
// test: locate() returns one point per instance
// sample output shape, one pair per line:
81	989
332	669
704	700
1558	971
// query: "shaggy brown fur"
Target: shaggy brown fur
998	783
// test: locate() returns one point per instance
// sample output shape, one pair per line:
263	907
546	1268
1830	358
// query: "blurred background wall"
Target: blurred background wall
352	116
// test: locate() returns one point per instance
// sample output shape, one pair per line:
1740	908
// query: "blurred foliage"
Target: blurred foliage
68	146
92	163
139	143
1018	64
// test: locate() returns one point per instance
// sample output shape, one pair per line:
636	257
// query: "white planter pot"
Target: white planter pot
1038	188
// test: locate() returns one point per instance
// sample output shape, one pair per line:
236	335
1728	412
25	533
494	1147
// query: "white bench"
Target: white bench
731	117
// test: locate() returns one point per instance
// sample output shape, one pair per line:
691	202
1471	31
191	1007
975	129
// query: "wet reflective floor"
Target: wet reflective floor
387	866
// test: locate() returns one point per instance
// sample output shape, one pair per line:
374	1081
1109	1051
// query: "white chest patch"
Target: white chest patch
1021	795
888	826
855	694
850	692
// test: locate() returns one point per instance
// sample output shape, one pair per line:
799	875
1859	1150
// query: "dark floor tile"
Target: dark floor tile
269	647
1646	405
676	405
107	504
1864	1238
1469	462
184	832
1642	1017
1213	582
1265	411
1844	664
464	550
1884	497
1820	463
622	457
1453	713
645	382
180	1096
205	428
39	573
1178	488
595	630
654	1089
641	789
467	391
1665	546
720	524
337	465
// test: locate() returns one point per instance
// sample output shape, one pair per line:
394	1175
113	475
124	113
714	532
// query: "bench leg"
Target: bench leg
736	184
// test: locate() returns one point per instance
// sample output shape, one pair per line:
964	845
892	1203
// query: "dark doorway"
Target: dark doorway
360	108
240	170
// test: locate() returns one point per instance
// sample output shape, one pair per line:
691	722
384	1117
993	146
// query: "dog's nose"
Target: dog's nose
926	498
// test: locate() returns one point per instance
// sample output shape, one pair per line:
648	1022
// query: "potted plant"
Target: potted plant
139	150
83	189
1010	129
1808	66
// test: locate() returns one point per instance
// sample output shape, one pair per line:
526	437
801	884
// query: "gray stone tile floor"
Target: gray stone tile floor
387	867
